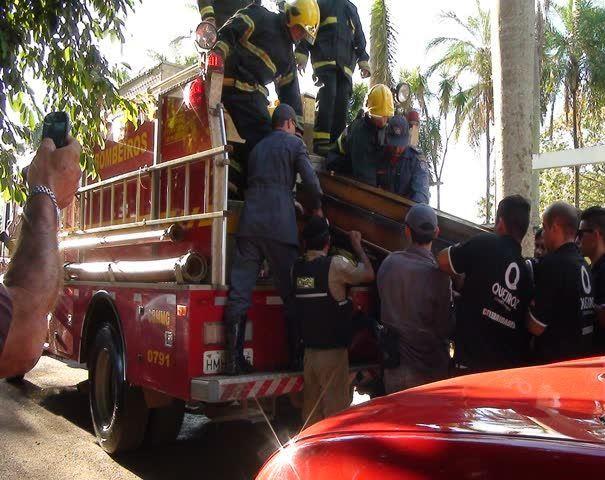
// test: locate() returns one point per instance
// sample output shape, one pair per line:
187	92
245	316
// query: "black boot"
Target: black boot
243	364
236	363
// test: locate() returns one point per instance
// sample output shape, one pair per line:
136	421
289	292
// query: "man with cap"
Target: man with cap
415	305
492	309
404	170
325	315
360	148
268	229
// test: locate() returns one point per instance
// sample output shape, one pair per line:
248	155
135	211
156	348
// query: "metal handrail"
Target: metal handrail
160	166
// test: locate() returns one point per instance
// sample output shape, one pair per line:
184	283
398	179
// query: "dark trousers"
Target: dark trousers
248	256
332	106
249	113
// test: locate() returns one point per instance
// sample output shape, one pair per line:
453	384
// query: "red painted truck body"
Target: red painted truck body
172	332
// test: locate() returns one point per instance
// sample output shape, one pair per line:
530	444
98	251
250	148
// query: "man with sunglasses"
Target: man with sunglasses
562	313
591	239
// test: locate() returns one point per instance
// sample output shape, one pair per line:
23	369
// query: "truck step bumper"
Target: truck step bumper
221	388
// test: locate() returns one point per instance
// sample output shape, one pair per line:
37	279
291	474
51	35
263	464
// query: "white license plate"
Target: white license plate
215	360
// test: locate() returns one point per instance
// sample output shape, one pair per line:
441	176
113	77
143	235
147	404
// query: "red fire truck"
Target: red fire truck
146	251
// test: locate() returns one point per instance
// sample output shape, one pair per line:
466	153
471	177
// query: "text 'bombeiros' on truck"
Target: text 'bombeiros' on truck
146	250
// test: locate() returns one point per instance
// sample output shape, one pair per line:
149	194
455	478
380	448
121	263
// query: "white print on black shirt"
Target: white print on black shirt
585	280
499	318
511	279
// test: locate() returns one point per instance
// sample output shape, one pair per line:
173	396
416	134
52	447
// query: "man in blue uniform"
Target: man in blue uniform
268	229
404	170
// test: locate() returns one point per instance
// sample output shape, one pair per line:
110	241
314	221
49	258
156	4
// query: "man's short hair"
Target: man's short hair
514	212
565	215
595	218
316	233
421	238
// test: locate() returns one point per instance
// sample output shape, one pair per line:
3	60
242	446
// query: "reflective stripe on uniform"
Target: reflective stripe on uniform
348	71
259	52
311	295
223	47
328	21
321	135
285	79
207	12
244	86
323	64
340	147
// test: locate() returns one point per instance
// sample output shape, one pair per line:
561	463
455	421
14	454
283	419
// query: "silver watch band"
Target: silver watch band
43	189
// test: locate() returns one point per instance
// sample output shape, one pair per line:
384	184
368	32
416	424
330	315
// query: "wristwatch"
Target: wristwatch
43	189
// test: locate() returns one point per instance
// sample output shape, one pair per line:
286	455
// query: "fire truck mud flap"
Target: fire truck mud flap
220	388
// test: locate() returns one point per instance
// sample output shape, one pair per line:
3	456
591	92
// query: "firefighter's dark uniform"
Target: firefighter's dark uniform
340	44
257	49
359	150
221	10
267	228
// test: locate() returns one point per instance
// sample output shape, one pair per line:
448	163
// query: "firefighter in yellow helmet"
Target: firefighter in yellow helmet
360	148
340	46
257	46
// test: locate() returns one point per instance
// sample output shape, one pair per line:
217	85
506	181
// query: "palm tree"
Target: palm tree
468	56
383	44
514	48
575	66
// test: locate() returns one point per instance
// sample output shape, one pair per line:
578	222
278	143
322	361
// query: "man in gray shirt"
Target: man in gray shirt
415	301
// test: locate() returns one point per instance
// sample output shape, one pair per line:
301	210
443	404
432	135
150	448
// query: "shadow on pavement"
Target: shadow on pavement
204	450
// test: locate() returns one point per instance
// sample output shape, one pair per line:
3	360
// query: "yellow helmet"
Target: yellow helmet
380	101
304	13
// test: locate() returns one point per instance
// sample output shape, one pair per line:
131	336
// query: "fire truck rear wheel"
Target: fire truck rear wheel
118	410
165	423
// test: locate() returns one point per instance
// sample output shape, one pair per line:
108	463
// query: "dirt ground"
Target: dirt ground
46	433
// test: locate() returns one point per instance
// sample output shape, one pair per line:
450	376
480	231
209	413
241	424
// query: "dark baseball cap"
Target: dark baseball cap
422	219
316	227
282	113
398	132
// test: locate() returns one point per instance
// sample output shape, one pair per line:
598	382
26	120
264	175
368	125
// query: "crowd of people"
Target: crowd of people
506	311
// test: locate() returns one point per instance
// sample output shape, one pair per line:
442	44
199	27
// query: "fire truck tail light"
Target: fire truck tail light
214	333
181	310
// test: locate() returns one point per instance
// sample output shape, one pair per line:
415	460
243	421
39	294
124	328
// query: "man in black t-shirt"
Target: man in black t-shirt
562	313
490	330
591	237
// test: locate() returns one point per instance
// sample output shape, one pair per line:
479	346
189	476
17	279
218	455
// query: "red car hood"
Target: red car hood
559	401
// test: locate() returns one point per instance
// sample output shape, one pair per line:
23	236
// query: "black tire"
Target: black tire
118	410
165	423
16	380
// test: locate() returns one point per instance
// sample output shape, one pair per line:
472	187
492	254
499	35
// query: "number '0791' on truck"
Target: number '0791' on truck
146	251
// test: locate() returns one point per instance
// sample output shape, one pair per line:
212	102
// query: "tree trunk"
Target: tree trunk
537	115
438	195
513	72
576	144
487	172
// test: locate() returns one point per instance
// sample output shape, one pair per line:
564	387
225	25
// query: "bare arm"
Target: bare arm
368	270
34	274
443	260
